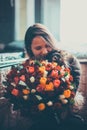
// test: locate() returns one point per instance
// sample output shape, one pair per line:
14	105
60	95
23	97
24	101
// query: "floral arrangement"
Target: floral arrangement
37	86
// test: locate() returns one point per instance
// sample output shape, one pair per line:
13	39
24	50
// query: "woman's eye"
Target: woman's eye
47	46
38	48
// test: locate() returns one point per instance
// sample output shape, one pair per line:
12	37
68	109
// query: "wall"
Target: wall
83	81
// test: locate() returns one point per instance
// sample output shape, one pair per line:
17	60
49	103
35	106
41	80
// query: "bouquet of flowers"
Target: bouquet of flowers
38	86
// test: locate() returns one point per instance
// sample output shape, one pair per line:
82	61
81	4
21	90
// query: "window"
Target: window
50	16
73	23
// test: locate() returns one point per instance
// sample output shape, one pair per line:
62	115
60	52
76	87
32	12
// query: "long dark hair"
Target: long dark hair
38	30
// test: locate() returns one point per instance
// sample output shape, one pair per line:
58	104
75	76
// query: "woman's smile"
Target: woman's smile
40	47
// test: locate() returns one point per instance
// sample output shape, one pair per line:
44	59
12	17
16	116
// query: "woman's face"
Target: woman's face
39	47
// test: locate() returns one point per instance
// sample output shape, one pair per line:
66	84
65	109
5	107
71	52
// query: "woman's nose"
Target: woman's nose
44	51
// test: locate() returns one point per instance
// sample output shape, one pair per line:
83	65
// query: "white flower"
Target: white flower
64	101
32	79
62	71
71	87
63	79
22	83
45	74
50	103
33	91
63	67
61	97
25	97
13	84
38	97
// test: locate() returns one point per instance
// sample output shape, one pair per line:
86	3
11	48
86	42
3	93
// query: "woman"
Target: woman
40	44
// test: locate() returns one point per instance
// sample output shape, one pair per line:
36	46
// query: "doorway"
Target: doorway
7	21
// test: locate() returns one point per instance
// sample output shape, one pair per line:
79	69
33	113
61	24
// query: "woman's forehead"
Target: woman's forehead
39	39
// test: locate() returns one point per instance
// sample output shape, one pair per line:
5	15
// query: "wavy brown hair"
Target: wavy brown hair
38	30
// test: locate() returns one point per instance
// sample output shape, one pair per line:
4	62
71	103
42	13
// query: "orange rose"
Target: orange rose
15	92
31	69
67	93
58	67
40	87
41	106
71	78
42	69
49	87
43	80
22	77
26	91
49	66
54	64
54	73
67	69
56	83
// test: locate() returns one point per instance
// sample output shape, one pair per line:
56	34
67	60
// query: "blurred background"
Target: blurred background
66	19
17	15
